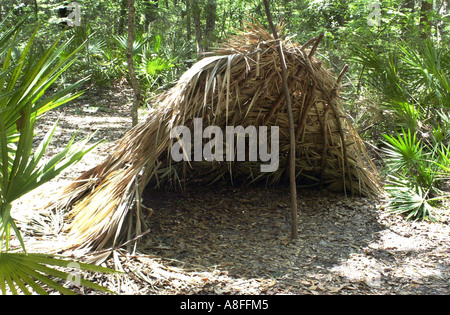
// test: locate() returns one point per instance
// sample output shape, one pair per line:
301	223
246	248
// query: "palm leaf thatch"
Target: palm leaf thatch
240	84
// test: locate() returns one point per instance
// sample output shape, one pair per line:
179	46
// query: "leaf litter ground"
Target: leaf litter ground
235	240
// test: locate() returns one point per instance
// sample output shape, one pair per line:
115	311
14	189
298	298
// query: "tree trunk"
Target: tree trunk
210	11
151	11
133	80
425	26
407	9
188	21
409	4
36	9
122	17
293	185
442	9
196	13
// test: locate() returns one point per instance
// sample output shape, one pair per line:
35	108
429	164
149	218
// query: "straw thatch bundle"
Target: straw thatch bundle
240	85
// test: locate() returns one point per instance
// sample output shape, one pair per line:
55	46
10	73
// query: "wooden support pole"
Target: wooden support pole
293	186
132	72
341	75
281	98
306	45
316	44
337	113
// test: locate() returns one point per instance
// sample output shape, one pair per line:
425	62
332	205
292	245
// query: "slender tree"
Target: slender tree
204	34
196	16
210	13
293	185
122	17
425	26
133	79
150	11
188	21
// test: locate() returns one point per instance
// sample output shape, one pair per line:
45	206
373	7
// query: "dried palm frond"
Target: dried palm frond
240	85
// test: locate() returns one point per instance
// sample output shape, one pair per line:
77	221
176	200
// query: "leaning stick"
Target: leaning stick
293	186
341	132
316	44
305	45
281	98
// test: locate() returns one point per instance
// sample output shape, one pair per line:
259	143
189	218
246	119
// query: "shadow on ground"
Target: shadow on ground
244	233
346	245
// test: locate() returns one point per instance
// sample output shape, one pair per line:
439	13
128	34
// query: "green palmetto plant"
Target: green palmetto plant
405	153
418	76
416	92
410	199
150	62
429	67
24	81
152	67
138	44
414	171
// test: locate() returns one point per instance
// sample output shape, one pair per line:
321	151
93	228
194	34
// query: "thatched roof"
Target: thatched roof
240	84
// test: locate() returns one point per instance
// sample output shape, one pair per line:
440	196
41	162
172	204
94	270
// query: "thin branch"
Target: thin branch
341	131
344	70
293	186
316	44
306	45
133	79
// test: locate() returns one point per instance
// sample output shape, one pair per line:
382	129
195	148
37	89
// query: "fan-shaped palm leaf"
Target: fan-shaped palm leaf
39	273
23	84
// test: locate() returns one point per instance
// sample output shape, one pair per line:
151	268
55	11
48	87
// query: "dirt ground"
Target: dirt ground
235	240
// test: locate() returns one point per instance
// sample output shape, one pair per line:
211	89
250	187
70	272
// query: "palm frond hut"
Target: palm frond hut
240	84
